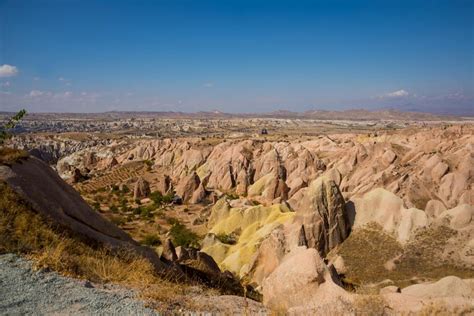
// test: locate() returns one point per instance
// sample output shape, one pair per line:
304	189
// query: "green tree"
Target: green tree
12	122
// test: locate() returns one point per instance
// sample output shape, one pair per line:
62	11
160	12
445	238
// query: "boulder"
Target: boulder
339	265
182	253
186	187
389	157
434	208
451	186
163	184
169	252
322	213
302	279
242	182
199	195
439	171
141	189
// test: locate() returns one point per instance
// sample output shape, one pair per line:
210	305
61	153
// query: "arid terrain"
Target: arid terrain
310	214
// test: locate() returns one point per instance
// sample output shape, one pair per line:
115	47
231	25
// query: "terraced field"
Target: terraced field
118	175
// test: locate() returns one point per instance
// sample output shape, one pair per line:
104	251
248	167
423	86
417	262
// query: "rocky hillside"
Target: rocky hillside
378	223
428	168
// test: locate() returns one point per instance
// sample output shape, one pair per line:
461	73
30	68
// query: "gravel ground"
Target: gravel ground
27	292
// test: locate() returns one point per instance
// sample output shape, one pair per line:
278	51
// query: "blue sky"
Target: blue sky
236	56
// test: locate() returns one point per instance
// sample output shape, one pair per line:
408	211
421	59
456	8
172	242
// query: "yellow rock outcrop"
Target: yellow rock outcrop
251	224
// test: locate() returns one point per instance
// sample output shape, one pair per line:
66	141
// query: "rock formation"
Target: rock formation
186	187
302	279
386	209
321	212
141	189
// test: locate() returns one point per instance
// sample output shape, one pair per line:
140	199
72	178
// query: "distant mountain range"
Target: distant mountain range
353	114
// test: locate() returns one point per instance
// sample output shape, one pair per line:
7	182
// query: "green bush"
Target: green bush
159	199
172	220
182	236
149	164
114	209
232	196
147	212
151	240
229	239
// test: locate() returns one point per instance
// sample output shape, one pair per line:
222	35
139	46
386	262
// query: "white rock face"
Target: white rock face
302	279
386	209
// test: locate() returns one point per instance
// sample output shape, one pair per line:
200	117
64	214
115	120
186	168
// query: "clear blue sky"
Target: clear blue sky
235	56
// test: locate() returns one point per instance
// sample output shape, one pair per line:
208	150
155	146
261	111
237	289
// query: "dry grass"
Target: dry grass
9	156
370	305
24	232
367	251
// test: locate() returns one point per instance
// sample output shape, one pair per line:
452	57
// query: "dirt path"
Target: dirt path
24	291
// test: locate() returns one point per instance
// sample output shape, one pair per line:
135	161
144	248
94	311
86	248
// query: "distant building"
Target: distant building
264	131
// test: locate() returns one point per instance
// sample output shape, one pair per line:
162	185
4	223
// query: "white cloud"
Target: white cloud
36	78
61	79
8	71
397	94
36	93
5	84
208	85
